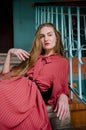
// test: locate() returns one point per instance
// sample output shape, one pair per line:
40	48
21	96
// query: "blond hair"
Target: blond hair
36	50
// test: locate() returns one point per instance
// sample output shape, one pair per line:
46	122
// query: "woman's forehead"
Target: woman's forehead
46	29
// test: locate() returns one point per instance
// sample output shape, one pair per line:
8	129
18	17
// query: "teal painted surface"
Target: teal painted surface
23	23
83	84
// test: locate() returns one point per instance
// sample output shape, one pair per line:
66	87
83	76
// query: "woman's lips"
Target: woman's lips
47	43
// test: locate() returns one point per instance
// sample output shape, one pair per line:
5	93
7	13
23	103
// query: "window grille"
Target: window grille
71	22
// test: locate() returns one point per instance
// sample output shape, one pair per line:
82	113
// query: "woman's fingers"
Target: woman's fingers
63	110
56	108
63	107
20	53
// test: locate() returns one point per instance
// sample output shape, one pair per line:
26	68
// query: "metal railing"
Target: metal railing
71	22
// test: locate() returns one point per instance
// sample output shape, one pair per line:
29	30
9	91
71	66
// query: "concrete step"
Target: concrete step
78	114
14	60
74	128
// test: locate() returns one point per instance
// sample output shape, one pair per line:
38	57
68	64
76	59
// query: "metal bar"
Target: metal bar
57	18
79	53
41	14
52	14
85	25
62	27
48	14
38	18
36	14
74	90
70	48
44	14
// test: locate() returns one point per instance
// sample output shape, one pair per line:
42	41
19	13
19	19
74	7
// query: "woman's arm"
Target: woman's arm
6	67
20	53
62	105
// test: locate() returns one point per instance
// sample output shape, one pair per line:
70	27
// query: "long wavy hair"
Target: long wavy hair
37	50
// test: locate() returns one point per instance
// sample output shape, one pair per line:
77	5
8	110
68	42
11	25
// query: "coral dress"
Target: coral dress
21	104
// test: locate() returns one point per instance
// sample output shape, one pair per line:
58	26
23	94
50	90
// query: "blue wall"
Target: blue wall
24	23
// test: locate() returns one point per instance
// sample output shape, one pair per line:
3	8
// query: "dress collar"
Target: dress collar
48	59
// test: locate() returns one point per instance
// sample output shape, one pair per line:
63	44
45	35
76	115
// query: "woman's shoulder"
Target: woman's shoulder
61	58
60	62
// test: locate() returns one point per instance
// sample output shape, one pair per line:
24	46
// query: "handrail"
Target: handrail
75	91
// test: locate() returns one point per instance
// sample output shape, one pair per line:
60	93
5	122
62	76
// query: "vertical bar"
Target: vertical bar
48	14
36	14
41	13
79	52
51	14
62	27
70	47
85	25
44	20
65	33
57	18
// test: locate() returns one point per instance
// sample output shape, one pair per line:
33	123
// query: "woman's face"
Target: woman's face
48	39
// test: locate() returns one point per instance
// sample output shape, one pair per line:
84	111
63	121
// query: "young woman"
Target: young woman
41	78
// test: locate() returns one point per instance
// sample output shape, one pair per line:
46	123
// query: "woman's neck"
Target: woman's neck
47	53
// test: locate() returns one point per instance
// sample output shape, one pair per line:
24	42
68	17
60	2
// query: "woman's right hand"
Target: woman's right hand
20	53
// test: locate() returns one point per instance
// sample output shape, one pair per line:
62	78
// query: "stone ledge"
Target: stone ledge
14	59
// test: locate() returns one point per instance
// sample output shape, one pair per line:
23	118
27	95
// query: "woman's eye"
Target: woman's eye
41	36
50	35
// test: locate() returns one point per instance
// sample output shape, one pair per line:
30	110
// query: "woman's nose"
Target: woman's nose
46	38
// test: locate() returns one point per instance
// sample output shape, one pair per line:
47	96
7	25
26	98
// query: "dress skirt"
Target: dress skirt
22	106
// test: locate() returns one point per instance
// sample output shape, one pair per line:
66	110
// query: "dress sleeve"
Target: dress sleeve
60	82
64	79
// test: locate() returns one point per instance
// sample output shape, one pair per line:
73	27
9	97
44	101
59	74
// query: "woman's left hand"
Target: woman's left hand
62	107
